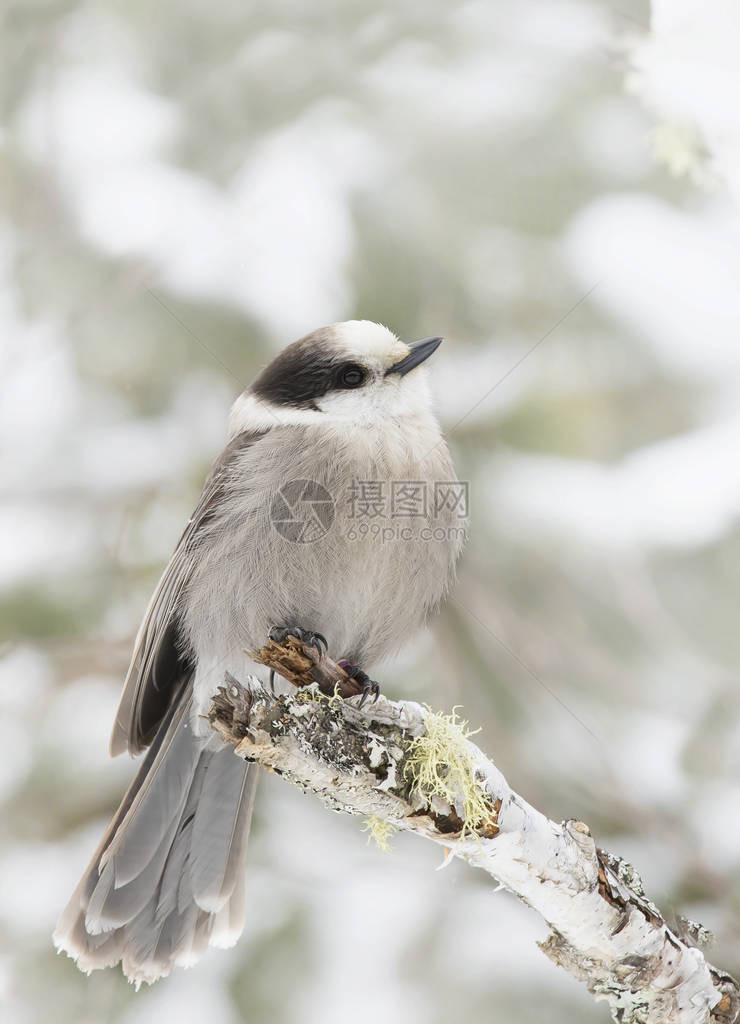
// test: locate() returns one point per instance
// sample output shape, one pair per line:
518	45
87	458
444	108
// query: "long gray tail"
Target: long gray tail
167	880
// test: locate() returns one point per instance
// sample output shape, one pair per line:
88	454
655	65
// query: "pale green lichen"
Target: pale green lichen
306	695
380	831
439	764
336	699
312	694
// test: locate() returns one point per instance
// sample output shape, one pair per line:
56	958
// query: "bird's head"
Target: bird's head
354	371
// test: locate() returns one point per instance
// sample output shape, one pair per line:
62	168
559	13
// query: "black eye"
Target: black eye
351	376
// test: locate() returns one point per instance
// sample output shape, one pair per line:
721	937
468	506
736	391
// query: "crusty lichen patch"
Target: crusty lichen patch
438	764
433	771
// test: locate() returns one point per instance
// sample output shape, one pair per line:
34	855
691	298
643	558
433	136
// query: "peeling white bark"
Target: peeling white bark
604	930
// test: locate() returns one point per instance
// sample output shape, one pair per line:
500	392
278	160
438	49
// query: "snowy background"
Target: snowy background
186	187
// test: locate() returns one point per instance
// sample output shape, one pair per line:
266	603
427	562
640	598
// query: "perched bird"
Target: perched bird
278	542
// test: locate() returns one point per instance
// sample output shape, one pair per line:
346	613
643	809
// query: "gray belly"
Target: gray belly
366	582
373	593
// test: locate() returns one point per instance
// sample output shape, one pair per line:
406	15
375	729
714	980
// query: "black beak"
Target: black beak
420	351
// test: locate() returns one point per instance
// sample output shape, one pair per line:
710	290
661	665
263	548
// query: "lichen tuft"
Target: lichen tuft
380	831
438	763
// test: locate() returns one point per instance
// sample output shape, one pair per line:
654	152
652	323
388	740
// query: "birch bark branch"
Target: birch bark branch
604	930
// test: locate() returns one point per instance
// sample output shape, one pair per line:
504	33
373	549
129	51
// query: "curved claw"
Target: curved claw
369	686
278	635
317	639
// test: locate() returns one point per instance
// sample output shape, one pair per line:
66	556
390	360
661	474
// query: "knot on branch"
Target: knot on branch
302	664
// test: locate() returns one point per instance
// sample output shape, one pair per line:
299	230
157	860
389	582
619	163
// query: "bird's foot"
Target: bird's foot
307	637
368	686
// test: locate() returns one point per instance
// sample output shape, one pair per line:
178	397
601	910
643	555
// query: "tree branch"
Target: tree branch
378	762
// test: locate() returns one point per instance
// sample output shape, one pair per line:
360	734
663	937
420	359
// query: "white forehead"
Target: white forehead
374	341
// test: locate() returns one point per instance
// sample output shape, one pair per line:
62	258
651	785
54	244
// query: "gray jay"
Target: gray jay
343	408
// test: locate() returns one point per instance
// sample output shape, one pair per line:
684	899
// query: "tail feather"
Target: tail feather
168	876
102	950
216	833
110	906
193	940
158	801
69	922
175	890
228	924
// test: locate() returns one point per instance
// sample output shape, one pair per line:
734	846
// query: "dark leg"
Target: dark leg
368	686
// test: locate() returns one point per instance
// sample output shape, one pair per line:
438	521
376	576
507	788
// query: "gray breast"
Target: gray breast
364	576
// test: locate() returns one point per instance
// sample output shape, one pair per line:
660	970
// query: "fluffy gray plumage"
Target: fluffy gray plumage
168	877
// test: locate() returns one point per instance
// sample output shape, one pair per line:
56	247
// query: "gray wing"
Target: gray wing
160	666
